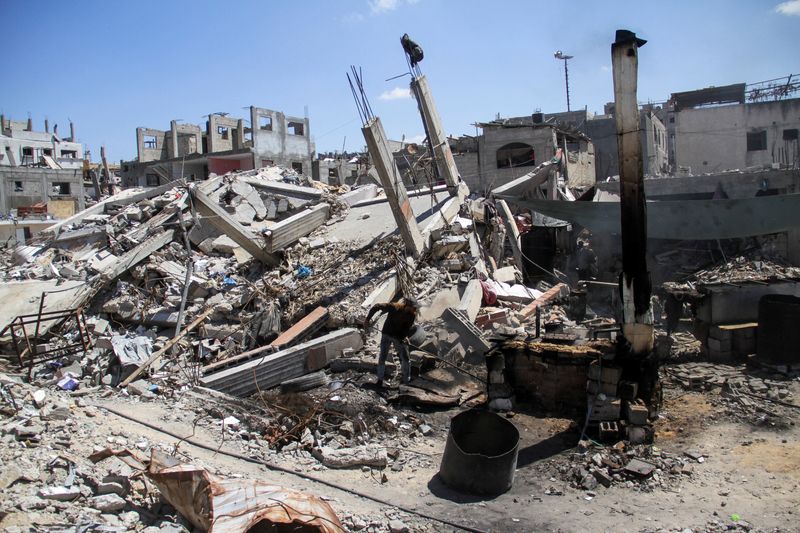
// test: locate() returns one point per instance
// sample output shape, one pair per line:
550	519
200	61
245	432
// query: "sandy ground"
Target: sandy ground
750	471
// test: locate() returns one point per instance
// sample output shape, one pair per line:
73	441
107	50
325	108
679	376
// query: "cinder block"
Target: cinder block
608	374
609	431
606	410
636	412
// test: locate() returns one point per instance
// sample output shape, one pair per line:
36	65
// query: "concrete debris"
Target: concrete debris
234	307
373	456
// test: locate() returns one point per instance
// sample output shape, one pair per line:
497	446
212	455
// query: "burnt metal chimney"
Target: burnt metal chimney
635	284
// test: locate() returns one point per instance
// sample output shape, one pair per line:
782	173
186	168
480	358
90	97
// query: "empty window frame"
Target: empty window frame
790	134
297	167
267	163
223	132
295	128
18	187
333	173
61	188
71	154
515	155
756	140
151	180
47	151
265	123
150	141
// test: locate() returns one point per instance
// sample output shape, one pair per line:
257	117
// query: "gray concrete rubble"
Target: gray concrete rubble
234	308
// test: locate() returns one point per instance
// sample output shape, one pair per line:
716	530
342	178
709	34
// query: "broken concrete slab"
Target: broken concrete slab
469	334
222	220
471	300
368	455
288	231
506	274
365	192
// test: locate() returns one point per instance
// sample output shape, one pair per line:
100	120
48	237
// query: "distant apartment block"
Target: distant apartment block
40	172
735	126
225	144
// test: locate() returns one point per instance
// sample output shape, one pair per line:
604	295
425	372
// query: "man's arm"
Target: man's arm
375	309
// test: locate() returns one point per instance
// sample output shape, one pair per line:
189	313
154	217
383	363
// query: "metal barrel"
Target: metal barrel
481	453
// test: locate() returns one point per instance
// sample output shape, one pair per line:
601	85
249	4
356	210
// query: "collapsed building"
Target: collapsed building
237	302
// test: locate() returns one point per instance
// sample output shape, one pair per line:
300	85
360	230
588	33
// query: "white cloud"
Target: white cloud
416	139
790	7
605	68
398	93
353	17
376	7
384	6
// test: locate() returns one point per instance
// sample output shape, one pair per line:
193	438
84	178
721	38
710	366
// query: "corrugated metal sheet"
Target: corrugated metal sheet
683	220
271	370
219	505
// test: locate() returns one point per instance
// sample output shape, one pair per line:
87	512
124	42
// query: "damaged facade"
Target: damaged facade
226	143
737	126
509	147
39	168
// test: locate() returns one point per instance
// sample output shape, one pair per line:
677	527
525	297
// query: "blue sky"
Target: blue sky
112	66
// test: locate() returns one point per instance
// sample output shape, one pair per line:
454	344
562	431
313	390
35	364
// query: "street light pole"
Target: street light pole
560	55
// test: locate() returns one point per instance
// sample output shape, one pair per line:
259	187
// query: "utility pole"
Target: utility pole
635	285
560	55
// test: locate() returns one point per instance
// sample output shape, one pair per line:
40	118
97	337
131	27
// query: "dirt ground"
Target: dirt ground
748	471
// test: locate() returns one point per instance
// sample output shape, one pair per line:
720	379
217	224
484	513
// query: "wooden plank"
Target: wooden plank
306	326
169	344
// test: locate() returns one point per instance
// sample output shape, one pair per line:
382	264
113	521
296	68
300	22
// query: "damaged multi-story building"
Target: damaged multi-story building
508	148
735	126
41	173
227	143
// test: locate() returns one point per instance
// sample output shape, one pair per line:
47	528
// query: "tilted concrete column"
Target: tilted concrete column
393	186
512	232
441	148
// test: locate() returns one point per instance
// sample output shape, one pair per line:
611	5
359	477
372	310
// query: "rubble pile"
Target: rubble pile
641	467
47	478
761	399
743	268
